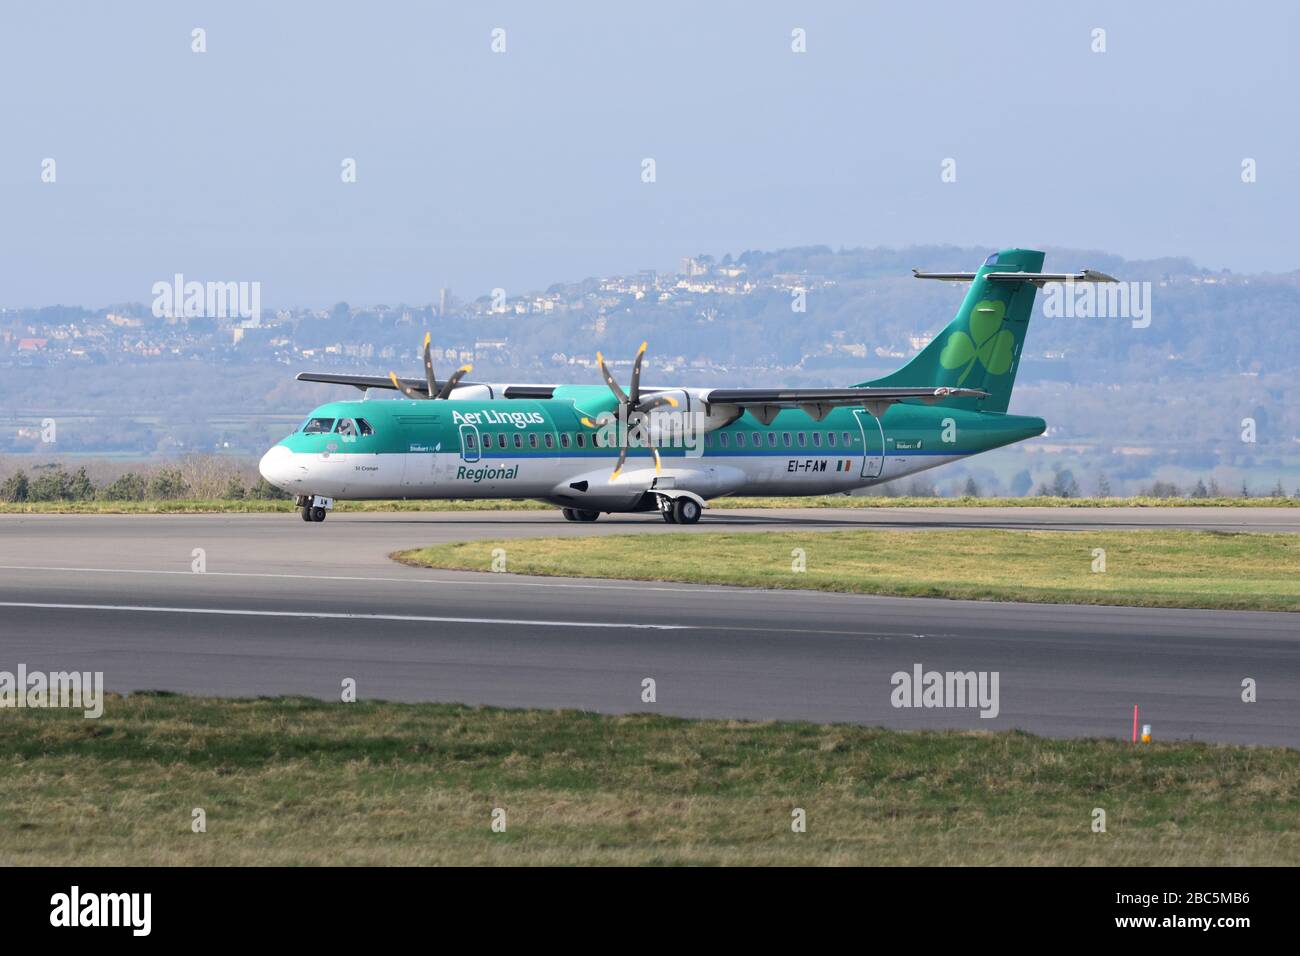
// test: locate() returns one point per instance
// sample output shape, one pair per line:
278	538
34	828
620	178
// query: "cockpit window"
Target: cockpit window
318	426
364	427
346	427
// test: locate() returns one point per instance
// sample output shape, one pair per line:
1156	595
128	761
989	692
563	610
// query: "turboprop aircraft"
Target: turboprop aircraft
590	449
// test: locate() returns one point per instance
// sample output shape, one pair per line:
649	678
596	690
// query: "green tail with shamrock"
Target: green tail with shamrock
981	347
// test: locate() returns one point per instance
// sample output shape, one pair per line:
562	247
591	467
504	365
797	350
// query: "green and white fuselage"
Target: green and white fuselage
519	448
553	442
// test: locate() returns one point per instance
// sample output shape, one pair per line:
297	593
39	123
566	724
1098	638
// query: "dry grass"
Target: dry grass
1143	568
306	782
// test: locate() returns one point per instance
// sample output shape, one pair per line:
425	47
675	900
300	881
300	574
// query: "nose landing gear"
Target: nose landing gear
314	507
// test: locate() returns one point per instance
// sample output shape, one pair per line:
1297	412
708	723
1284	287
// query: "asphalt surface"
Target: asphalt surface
283	606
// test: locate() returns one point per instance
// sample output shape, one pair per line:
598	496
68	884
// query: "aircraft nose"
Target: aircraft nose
278	467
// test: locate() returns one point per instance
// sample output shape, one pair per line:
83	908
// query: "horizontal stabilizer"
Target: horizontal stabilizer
1034	278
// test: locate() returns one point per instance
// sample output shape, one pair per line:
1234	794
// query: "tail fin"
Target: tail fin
980	348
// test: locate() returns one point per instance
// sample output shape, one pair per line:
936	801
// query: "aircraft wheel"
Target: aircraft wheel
587	515
306	512
569	514
318	514
668	515
686	511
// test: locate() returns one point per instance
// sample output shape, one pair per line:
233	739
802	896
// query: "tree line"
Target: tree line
57	484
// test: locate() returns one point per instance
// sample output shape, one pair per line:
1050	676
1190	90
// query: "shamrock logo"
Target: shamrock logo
988	343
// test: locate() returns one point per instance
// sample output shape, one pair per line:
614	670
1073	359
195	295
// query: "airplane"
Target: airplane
593	449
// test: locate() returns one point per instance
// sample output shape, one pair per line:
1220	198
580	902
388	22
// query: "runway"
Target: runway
282	606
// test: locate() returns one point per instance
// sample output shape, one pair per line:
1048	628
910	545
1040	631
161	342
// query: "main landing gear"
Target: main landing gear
577	514
681	511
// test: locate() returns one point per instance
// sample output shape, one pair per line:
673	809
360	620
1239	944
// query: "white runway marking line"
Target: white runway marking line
421	619
352	577
337	615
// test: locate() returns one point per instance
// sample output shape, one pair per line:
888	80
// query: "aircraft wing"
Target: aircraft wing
764	403
362	382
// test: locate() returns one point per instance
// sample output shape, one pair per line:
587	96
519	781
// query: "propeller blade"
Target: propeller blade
650	404
655	452
609	380
429	379
636	374
622	458
406	389
456	376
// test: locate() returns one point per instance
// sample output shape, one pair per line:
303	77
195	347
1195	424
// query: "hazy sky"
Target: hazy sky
478	170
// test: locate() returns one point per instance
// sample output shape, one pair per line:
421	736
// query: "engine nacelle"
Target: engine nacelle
692	411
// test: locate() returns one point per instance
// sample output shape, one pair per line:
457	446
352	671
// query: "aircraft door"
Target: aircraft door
873	443
470	442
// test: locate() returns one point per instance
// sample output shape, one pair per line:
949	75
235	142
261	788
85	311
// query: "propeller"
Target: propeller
430	380
628	404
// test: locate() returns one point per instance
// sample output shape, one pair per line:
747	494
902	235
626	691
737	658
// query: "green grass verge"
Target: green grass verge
253	506
292	781
1143	568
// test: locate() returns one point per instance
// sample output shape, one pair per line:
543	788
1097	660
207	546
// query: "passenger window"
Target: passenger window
830	439
785	439
817	439
550	442
364	427
848	439
501	440
581	439
469	440
771	439
708	440
803	439
487	442
519	442
564	439
532	441
722	440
